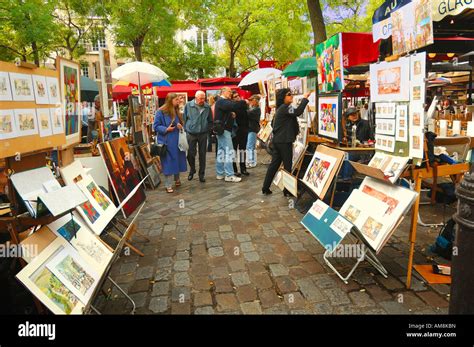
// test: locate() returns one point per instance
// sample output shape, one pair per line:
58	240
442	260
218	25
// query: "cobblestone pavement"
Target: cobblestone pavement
220	247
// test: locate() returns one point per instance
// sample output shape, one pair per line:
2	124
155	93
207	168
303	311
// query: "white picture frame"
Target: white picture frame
21	87
57	120
26	122
37	278
52	84
318	172
385	143
41	90
385	126
45	126
389	81
5	87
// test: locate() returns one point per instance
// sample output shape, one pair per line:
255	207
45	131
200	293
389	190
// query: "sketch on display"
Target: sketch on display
385	143
296	86
385	110
25	120
57	120
392	166
41	90
44	122
385	126
52	84
22	87
401	133
271	93
265	132
5	87
390	81
7	124
298	151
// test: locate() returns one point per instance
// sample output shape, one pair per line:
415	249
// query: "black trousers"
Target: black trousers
240	148
200	141
282	152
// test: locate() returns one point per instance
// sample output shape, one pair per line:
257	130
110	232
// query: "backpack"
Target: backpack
443	245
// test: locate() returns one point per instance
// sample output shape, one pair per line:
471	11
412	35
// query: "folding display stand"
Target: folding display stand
367	255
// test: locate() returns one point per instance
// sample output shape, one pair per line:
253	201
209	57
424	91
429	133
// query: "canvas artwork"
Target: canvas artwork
122	174
265	132
418	67
70	94
46	286
69	229
74	272
329	62
57	120
416	143
145	153
44	122
154	175
328	117
98	195
41	90
25	120
52	84
296	86
5	87
303	125
89	212
7	124
183	100
412	27
22	87
390	81
319	171
311	83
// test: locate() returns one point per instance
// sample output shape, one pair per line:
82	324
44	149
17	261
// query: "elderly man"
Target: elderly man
197	120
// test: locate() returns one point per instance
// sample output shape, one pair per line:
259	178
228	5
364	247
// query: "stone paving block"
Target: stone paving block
394	307
278	270
182	255
139	299
261	280
164	262
181	279
243	237
237	265
251	307
310	291
337	296
180	294
323	308
390	283
139	286
246	293
202	299
284	284
432	299
223	285
247	247
220	272
251	256
361	299
181	265
128	268
213	242
324	281
159	304
181	308
227	302
240	278
294	300
144	272
160	288
216	252
269	298
204	310
378	293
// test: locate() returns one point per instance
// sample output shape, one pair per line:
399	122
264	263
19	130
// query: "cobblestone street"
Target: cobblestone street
220	247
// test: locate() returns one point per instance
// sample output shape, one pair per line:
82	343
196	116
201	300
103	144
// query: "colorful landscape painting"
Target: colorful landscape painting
75	274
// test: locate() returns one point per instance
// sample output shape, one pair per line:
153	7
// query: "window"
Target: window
85	69
98	39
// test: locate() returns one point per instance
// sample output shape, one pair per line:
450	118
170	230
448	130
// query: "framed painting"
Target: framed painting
52	85
22	87
271	93
329	61
44	122
390	81
57	120
25	120
330	116
71	99
296	86
182	101
319	171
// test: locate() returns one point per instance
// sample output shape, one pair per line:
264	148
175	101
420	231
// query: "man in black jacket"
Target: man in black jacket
285	130
240	139
253	114
224	109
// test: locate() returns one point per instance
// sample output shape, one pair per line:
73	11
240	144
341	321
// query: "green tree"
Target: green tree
138	23
27	29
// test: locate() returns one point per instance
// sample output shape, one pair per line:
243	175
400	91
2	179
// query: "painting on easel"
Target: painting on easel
71	100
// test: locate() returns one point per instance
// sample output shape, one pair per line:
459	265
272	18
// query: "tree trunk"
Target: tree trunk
232	71
34	47
137	48
317	21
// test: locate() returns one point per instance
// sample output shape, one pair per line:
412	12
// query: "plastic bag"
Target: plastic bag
183	141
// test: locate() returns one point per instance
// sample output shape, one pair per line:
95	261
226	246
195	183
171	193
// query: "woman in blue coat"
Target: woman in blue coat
168	123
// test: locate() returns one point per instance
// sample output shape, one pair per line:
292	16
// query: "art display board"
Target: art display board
383	166
98	210
46	286
412	26
326	225
91	248
390	81
11	143
70	88
330	116
122	173
298	151
95	167
34	244
322	169
416	119
330	66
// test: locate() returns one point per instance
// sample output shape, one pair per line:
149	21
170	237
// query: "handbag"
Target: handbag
183	141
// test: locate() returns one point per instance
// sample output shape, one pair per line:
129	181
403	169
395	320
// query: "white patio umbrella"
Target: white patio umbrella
139	73
260	75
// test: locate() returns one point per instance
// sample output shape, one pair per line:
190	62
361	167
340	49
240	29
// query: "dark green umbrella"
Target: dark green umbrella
89	89
301	68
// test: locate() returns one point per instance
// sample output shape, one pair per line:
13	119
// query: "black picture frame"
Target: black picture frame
321	97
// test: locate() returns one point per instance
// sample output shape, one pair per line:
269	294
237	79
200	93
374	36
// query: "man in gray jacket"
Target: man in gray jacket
197	123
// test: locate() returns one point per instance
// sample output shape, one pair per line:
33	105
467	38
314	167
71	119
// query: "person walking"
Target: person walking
211	101
167	125
197	120
223	123
239	141
253	114
285	130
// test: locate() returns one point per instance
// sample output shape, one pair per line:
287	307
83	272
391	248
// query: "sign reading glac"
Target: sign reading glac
450	8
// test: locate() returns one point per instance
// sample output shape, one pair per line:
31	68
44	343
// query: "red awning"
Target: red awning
358	49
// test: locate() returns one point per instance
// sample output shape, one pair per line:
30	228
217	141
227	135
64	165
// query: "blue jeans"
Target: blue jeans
251	152
169	180
347	170
225	155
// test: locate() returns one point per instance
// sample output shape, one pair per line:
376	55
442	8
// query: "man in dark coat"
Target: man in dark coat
285	129
240	139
